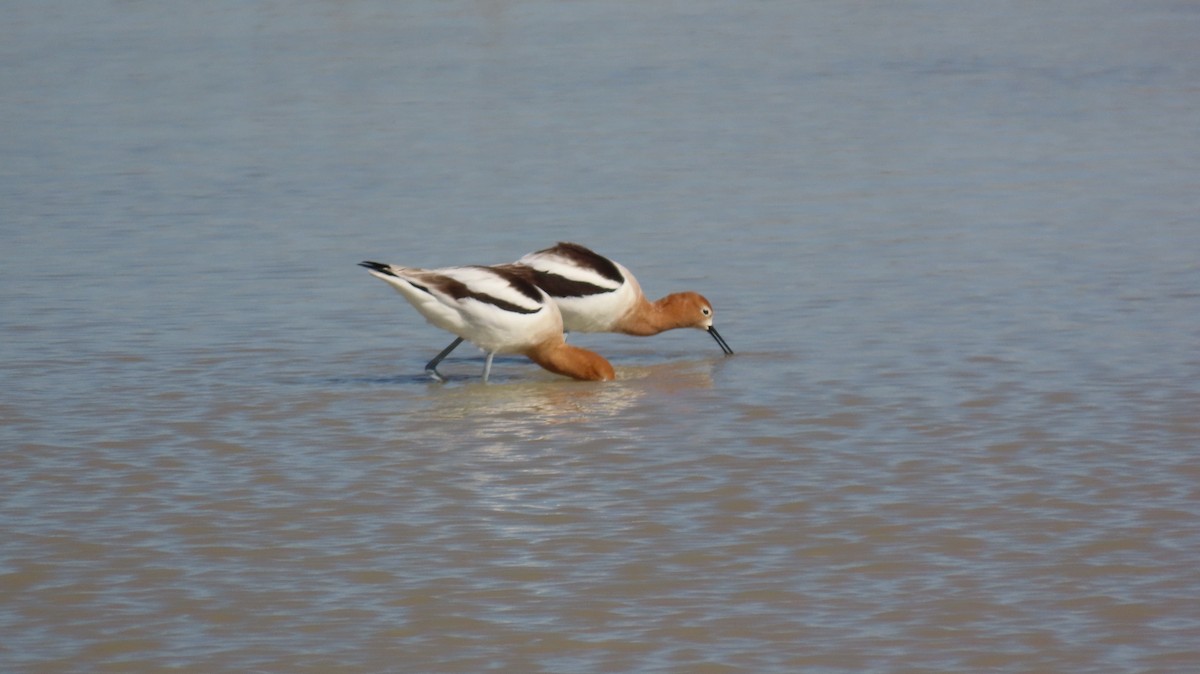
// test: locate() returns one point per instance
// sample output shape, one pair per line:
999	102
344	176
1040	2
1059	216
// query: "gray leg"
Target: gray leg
487	366
431	366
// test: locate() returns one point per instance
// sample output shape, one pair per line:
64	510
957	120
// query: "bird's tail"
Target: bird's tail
379	267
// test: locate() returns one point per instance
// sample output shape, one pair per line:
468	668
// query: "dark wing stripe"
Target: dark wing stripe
560	286
507	306
585	258
459	290
516	281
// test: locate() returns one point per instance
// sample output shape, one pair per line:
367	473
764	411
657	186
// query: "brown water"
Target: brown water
955	247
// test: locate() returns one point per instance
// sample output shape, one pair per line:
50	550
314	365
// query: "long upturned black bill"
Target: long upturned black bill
717	336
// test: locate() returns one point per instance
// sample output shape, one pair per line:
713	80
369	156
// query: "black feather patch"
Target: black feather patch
459	290
559	286
377	266
517	281
587	259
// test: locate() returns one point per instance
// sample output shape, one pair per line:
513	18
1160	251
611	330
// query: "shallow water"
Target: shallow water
955	247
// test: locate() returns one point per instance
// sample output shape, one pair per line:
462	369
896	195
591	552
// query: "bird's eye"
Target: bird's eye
706	311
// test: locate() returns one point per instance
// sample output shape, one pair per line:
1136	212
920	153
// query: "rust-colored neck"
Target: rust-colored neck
571	361
650	318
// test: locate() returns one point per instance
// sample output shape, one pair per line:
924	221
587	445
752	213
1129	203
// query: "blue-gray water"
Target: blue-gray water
956	246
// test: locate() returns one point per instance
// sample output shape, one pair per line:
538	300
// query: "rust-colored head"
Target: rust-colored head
689	310
686	310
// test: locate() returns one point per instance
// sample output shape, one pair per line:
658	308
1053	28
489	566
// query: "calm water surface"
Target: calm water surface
955	246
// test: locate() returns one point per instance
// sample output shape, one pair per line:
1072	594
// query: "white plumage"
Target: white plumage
601	300
485	306
498	310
